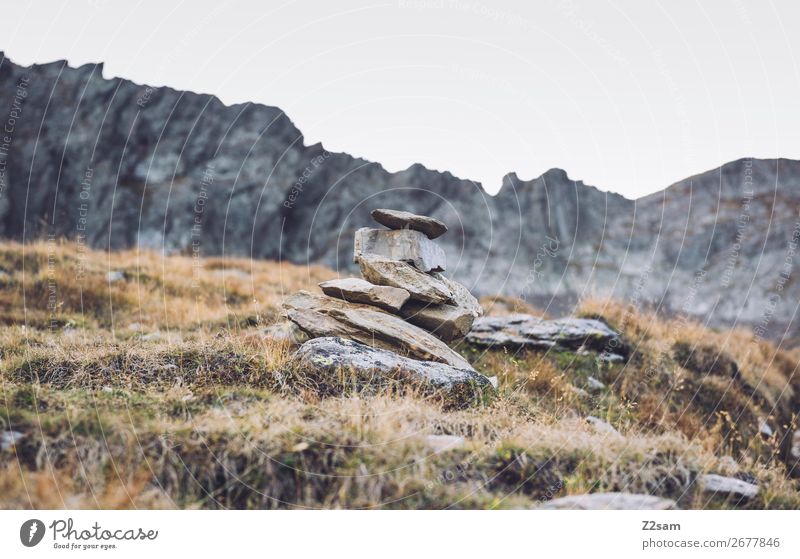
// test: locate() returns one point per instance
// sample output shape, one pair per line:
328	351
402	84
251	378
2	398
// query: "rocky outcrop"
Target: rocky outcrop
376	368
530	332
611	501
121	164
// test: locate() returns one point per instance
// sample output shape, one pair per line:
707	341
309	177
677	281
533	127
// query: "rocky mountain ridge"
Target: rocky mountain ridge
110	163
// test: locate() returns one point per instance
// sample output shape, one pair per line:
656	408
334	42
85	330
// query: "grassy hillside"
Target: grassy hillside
143	381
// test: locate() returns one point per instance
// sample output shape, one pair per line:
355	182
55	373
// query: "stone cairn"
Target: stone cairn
397	321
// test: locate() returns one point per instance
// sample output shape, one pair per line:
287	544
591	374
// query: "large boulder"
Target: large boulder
611	501
357	290
405	245
450	321
327	358
422	287
526	331
320	316
397	219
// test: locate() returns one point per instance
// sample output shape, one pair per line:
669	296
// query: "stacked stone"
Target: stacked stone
402	305
406	257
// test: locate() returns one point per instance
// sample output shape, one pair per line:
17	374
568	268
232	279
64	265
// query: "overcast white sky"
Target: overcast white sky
628	96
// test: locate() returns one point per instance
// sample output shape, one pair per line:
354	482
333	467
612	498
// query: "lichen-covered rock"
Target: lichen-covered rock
357	290
326	359
526	331
405	245
398	219
320	316
611	501
422	287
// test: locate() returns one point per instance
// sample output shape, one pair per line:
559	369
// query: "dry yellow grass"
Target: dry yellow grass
52	284
763	366
160	390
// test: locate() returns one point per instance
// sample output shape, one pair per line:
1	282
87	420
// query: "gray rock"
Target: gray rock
594	385
793	454
602	426
405	245
794	451
447	322
727	486
461	296
398	219
606	357
375	367
611	501
114	276
422	287
10	438
450	321
442	443
527	331
327	317
357	290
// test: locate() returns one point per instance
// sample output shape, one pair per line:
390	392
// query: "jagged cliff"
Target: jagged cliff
115	164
